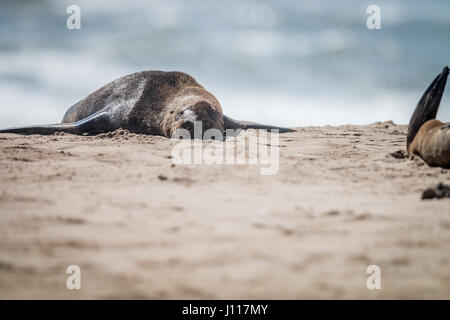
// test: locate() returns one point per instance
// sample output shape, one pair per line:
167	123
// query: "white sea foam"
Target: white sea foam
292	111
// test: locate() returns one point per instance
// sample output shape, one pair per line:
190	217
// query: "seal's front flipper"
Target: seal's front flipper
99	122
428	105
44	130
96	123
230	123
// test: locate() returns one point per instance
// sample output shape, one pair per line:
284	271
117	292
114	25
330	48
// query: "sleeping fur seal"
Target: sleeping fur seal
427	137
148	102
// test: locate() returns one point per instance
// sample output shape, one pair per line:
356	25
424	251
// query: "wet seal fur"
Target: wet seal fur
427	137
147	102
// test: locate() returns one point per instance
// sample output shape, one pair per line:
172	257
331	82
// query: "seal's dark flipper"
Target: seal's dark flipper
428	105
230	123
96	123
44	130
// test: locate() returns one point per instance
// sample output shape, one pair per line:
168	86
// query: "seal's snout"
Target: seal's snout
189	126
209	115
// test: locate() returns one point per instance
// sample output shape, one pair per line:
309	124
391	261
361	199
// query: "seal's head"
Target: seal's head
195	112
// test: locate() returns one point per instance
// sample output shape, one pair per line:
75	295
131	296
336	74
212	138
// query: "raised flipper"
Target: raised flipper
230	123
97	123
428	105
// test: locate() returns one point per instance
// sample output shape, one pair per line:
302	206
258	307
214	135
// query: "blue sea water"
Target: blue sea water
286	62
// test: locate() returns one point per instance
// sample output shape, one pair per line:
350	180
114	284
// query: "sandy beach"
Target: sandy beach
139	226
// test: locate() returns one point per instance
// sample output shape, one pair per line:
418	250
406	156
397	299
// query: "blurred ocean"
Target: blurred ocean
284	62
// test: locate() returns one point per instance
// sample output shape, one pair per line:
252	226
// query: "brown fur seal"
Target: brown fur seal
148	102
427	137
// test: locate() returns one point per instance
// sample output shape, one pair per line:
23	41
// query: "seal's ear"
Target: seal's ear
96	123
428	105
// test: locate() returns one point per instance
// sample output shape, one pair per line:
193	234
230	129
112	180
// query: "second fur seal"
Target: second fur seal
427	137
147	102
